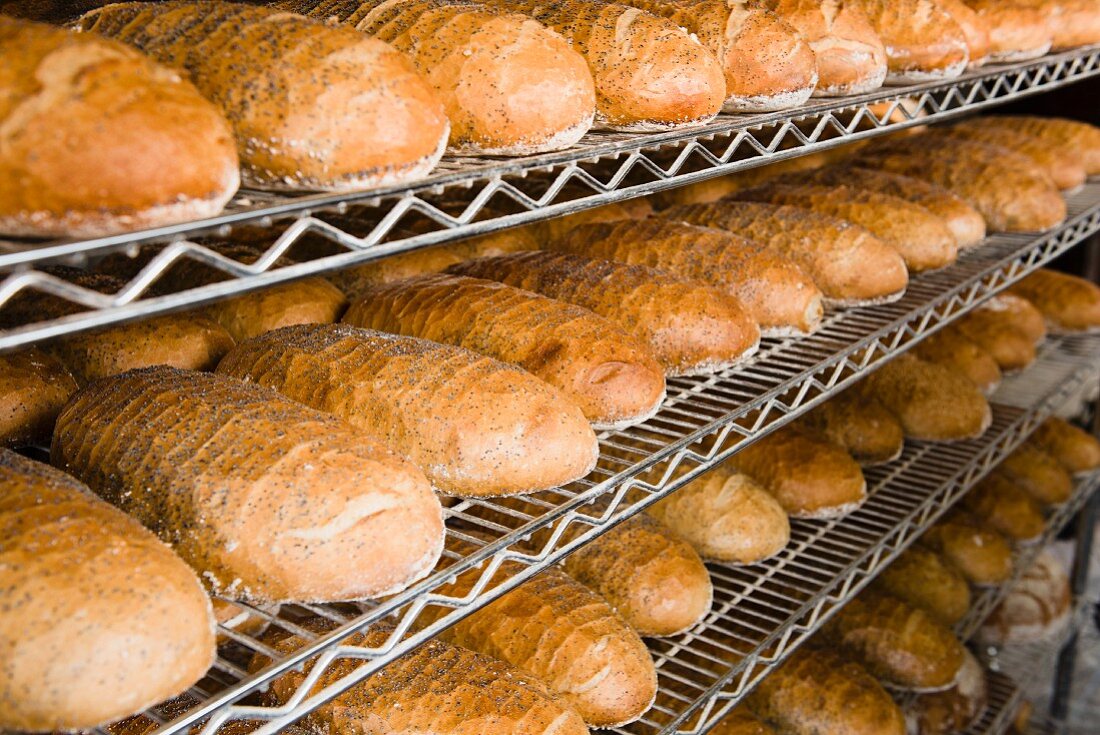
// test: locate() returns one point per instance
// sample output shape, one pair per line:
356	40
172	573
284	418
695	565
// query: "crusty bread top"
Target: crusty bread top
927	580
1076	449
1069	303
34	386
1074	135
922	40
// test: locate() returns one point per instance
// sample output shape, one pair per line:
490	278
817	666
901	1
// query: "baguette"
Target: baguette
269	500
928	581
1072	22
1077	450
739	721
974	27
923	42
954	350
475	427
1006	506
901	645
776	291
614	379
1036	606
1017	32
364	117
1068	303
77	163
848	264
997	331
509	85
1063	167
982	554
690	327
1039	474
860	424
1078	137
438	688
34	387
817	691
81	643
920	237
955	709
932	402
810	476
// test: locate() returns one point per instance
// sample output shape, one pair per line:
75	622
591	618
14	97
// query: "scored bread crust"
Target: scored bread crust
974	27
860	424
927	580
952	349
1017	31
692	328
1006	506
614	378
473	425
1063	167
1038	473
778	293
34	387
1068	303
982	554
271	501
312	106
923	42
1037	605
1076	449
68	562
1080	138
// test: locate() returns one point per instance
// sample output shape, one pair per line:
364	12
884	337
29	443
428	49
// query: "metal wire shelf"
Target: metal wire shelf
471	196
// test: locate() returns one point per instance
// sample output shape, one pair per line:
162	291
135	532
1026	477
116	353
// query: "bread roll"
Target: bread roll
1016	32
776	291
76	163
1076	449
921	238
726	517
860	424
509	85
1068	303
767	64
1039	474
932	402
979	552
974	27
613	378
847	263
927	581
850	56
997	331
269	500
899	644
739	721
923	42
810	476
1005	506
473	425
692	328
954	709
33	388
954	350
82	644
1036	606
818	691
1079	137
438	688
1011	192
363	116
1063	167
1072	22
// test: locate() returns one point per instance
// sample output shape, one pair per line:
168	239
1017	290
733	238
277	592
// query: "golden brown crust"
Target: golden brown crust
1006	329
974	27
33	389
847	263
739	721
1076	449
1075	136
356	280
362	116
778	293
1072	22
692	328
1068	303
1038	604
860	424
270	500
952	349
1005	506
1062	166
67	566
982	554
923	42
1038	473
1016	31
952	710
928	581
474	426
556	228
611	376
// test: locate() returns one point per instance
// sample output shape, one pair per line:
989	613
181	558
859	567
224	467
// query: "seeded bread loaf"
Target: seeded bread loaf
928	581
953	349
923	42
860	424
1006	329
1038	473
1006	506
34	387
1076	136
1076	449
1068	303
1017	31
982	554
1063	166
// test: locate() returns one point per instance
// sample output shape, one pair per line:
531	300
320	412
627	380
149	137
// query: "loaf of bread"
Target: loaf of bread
719	187
996	329
1017	31
849	264
954	350
923	42
982	554
267	499
921	238
776	291
740	721
1062	166
356	280
437	688
1022	313
77	163
927	581
692	328
900	644
931	401
555	228
509	85
974	27
726	517
810	476
1068	303
474	426
649	575
1005	506
850	56
362	115
1010	191
82	644
1036	606
818	691
614	378
767	64
34	387
860	424
1076	136
1072	22
1038	473
1077	450
952	710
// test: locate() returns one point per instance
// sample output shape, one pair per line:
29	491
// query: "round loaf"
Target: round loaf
923	42
1038	473
1037	605
1063	166
1076	449
980	553
974	28
860	424
1008	328
1006	506
1072	22
739	721
952	710
1079	137
1017	32
952	349
1068	303
97	139
82	644
928	581
34	387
